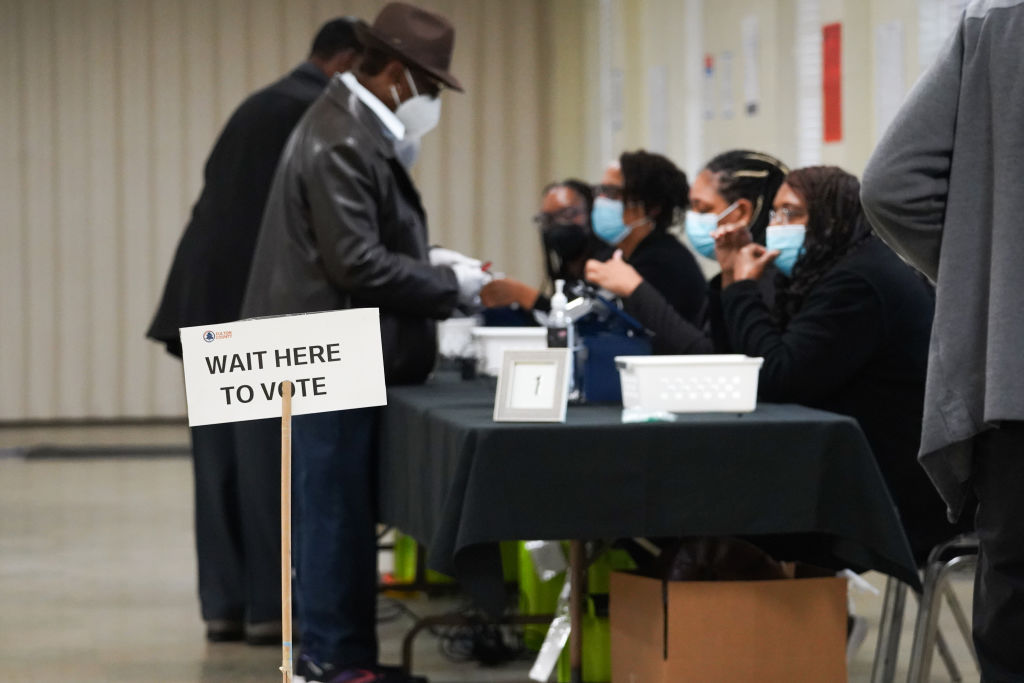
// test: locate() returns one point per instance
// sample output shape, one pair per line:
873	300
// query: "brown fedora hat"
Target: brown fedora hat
420	38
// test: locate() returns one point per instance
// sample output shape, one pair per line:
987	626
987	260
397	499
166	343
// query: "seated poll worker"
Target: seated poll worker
344	228
848	330
564	225
734	191
640	197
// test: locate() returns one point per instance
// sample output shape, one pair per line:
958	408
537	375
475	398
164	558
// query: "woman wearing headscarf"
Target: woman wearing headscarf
847	332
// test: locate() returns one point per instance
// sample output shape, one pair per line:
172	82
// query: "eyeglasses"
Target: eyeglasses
609	191
786	214
567	214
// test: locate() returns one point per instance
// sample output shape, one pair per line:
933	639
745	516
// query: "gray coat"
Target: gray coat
945	189
344	228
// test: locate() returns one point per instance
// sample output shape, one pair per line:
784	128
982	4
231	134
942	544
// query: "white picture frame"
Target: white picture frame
533	386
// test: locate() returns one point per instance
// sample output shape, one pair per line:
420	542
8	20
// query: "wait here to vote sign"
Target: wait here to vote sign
234	371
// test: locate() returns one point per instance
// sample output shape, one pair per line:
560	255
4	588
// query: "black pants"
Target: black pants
999	586
237	517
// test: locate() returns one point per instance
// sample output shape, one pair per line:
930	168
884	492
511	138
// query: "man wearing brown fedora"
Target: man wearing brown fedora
344	228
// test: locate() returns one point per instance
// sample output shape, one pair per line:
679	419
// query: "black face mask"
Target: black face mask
565	247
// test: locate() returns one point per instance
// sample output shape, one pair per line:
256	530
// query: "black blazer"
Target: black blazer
211	266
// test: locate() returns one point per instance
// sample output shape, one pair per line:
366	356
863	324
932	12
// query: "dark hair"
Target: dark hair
655	182
756	177
584	190
374	60
334	36
836	225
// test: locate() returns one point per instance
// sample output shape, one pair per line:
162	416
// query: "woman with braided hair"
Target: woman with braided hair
730	200
848	331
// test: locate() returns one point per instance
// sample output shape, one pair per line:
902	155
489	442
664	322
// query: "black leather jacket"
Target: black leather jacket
344	228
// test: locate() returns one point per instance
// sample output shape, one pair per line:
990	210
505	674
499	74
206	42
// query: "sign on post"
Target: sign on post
234	371
239	371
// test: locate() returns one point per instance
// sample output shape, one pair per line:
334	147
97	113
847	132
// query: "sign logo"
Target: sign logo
210	335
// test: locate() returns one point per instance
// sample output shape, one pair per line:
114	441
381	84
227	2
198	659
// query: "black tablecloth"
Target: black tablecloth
802	481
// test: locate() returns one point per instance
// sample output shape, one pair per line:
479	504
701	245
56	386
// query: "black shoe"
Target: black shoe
263	633
224	630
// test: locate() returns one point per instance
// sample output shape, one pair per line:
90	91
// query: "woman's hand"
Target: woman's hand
751	261
729	239
506	291
615	275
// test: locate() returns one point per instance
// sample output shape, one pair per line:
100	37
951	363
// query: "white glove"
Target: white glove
439	256
471	281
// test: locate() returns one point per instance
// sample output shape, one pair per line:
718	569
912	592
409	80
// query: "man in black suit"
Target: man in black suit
237	470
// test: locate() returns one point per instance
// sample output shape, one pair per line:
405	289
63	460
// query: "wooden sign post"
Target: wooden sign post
315	363
286	532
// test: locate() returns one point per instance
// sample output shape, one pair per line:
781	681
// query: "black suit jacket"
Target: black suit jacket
211	265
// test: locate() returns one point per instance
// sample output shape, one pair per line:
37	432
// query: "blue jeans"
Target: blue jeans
334	535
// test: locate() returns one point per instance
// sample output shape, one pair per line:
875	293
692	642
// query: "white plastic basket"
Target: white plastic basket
689	384
492	342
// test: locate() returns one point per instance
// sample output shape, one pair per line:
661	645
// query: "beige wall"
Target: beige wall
652	32
110	108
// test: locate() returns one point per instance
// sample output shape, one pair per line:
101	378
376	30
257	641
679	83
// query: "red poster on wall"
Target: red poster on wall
832	82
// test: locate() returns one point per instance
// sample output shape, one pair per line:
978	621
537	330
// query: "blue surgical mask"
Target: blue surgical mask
606	220
789	241
699	227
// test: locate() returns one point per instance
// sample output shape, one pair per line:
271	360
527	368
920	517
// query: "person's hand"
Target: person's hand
506	291
751	261
471	279
729	239
439	256
615	275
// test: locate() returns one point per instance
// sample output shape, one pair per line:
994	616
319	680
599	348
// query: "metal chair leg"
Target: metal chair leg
926	632
962	622
883	670
947	658
924	628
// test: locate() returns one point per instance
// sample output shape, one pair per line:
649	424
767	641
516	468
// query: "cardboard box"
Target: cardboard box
730	631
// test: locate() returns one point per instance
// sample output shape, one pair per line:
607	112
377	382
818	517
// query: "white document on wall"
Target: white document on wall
234	371
657	109
809	108
725	92
936	20
709	96
617	105
751	77
890	88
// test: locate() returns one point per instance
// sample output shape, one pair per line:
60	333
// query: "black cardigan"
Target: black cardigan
669	269
858	346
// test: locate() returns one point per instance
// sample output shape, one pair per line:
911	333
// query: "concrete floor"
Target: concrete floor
97	580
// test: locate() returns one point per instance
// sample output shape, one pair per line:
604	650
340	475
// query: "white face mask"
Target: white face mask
420	113
407	150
